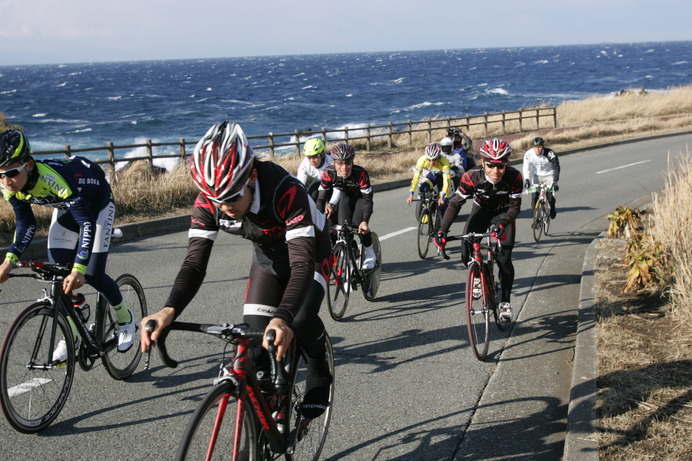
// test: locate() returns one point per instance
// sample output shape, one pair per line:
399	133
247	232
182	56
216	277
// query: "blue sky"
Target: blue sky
65	31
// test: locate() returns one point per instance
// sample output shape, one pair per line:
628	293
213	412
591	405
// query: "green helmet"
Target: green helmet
313	146
14	147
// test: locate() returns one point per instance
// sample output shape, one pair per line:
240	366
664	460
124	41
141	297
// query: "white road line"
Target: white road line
623	166
27	386
394	234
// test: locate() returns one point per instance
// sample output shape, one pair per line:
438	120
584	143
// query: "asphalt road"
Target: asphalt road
407	385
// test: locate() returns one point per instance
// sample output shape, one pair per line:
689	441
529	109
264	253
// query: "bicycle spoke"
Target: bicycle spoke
34	389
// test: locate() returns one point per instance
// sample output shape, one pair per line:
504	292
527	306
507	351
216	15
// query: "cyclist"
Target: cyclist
495	188
541	166
432	170
80	229
456	160
461	145
311	167
354	199
262	202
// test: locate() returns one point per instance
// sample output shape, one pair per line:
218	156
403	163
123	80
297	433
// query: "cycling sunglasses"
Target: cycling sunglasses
235	197
499	166
12	172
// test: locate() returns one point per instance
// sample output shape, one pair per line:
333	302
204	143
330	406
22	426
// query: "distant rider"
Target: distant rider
541	166
495	188
355	204
313	165
432	171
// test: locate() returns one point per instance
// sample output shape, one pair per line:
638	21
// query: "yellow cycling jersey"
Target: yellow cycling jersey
438	166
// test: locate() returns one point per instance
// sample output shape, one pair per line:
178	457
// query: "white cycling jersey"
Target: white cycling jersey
307	172
541	166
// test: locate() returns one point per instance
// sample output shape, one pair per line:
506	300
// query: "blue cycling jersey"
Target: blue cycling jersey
76	185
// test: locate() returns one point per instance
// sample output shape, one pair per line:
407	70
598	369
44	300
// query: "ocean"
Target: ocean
90	104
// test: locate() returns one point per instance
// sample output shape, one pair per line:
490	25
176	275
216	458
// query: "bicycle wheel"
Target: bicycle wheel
425	226
121	365
340	282
538	216
308	436
372	278
477	317
546	218
32	391
217	420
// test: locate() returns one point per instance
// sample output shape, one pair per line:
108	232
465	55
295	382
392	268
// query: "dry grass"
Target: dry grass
645	340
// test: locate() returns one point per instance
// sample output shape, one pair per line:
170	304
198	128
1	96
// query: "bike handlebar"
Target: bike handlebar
226	331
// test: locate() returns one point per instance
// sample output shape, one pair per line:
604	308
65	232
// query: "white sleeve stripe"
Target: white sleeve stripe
307	231
211	235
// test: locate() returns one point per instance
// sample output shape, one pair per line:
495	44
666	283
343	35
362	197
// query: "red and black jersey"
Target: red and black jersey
357	184
283	224
505	196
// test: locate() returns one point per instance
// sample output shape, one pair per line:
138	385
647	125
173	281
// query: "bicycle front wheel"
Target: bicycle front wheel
309	436
425	227
477	317
35	388
538	217
222	428
546	218
340	283
121	365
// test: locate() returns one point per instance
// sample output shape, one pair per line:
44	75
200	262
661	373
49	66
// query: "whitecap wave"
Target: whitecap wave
39	115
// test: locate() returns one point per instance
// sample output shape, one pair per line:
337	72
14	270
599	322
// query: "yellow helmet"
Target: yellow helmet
313	146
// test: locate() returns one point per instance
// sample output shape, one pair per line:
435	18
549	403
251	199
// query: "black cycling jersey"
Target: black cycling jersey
287	232
505	196
356	185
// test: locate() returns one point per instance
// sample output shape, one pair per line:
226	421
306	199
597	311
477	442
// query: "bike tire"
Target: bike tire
339	281
546	219
371	284
210	433
32	399
477	315
425	226
308	437
121	365
537	220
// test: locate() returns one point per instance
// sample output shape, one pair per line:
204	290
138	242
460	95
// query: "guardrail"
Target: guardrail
370	136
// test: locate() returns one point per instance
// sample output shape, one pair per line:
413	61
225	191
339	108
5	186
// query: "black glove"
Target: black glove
496	231
527	184
441	240
555	187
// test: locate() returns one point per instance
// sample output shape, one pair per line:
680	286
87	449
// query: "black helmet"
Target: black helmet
343	152
14	147
538	141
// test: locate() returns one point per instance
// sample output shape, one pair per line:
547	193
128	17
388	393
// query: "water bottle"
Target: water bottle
80	305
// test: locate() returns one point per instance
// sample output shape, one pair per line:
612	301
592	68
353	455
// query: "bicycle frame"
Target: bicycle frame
345	234
240	373
54	295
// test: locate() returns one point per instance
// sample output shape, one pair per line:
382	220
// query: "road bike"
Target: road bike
346	272
34	385
483	292
428	222
541	211
237	420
